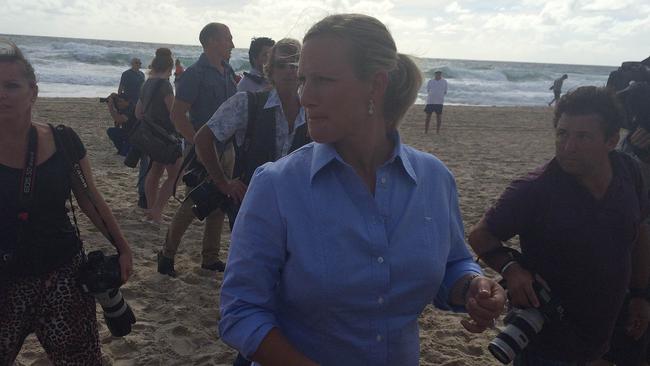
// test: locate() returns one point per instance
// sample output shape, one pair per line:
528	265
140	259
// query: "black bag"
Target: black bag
156	142
153	140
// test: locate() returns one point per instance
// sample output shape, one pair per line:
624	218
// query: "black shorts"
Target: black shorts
430	108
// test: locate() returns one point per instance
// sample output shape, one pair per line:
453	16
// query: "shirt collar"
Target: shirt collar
256	72
274	101
324	154
204	62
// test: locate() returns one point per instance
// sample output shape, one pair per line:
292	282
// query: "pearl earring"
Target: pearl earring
371	107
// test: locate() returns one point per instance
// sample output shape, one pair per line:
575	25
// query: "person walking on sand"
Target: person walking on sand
436	89
204	86
557	88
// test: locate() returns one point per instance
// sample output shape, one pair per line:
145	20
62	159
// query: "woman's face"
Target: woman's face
335	100
17	94
285	71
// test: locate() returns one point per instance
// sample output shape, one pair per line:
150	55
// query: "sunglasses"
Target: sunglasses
285	65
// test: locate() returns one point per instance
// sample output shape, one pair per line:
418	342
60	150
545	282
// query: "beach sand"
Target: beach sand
484	147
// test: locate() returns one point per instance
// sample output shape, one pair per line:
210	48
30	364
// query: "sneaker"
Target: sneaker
166	265
218	266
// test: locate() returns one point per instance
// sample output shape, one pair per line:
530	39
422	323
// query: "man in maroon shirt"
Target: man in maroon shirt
578	218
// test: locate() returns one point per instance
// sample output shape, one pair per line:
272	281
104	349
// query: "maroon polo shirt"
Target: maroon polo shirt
580	245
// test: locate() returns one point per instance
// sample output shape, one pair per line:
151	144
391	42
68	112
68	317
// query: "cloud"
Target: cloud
563	31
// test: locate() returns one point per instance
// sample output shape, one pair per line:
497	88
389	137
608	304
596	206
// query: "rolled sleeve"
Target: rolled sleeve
230	119
459	260
257	256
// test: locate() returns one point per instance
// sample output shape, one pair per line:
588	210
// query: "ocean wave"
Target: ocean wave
91	68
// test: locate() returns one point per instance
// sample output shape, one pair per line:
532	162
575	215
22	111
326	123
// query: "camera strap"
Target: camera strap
27	180
27	185
63	142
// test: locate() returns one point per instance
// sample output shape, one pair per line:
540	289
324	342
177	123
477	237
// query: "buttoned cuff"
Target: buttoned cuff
455	271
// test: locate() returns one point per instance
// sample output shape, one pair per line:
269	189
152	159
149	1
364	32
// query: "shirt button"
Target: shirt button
380	260
380	300
378	337
383	180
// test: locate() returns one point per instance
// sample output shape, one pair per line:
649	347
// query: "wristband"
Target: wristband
466	286
507	265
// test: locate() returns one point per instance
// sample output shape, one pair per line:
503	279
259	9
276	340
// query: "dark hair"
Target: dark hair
210	31
256	47
289	48
163	60
587	100
9	52
372	49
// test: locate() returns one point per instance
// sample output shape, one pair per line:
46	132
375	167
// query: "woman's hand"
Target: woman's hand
484	303
126	264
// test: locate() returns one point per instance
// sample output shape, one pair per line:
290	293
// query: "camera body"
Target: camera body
207	198
133	157
100	276
523	324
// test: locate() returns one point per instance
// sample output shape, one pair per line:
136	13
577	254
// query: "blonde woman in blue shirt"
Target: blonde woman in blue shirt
339	246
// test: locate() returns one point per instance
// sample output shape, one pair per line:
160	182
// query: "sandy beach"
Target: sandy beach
484	147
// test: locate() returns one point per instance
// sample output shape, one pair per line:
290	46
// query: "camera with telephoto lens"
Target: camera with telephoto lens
523	324
100	277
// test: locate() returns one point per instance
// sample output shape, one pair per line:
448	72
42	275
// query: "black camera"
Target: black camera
103	100
133	157
206	198
194	176
523	324
100	277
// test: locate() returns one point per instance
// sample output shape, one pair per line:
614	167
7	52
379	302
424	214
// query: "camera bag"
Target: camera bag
154	141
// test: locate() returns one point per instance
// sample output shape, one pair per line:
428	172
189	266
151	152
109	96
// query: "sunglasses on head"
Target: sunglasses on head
281	65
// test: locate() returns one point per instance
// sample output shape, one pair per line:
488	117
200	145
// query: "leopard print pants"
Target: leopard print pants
53	307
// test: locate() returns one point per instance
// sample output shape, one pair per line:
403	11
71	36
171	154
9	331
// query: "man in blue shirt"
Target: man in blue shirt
204	86
131	82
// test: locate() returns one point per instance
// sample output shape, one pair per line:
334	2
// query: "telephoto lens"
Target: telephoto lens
100	277
117	313
523	324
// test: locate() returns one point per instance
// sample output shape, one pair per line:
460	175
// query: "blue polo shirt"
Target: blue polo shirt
204	87
131	81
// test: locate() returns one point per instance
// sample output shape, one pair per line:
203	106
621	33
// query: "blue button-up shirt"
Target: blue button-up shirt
342	273
205	88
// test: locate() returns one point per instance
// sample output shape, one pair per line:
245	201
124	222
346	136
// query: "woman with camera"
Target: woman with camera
40	252
339	246
156	99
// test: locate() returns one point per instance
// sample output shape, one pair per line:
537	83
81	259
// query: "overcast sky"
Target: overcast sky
594	32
